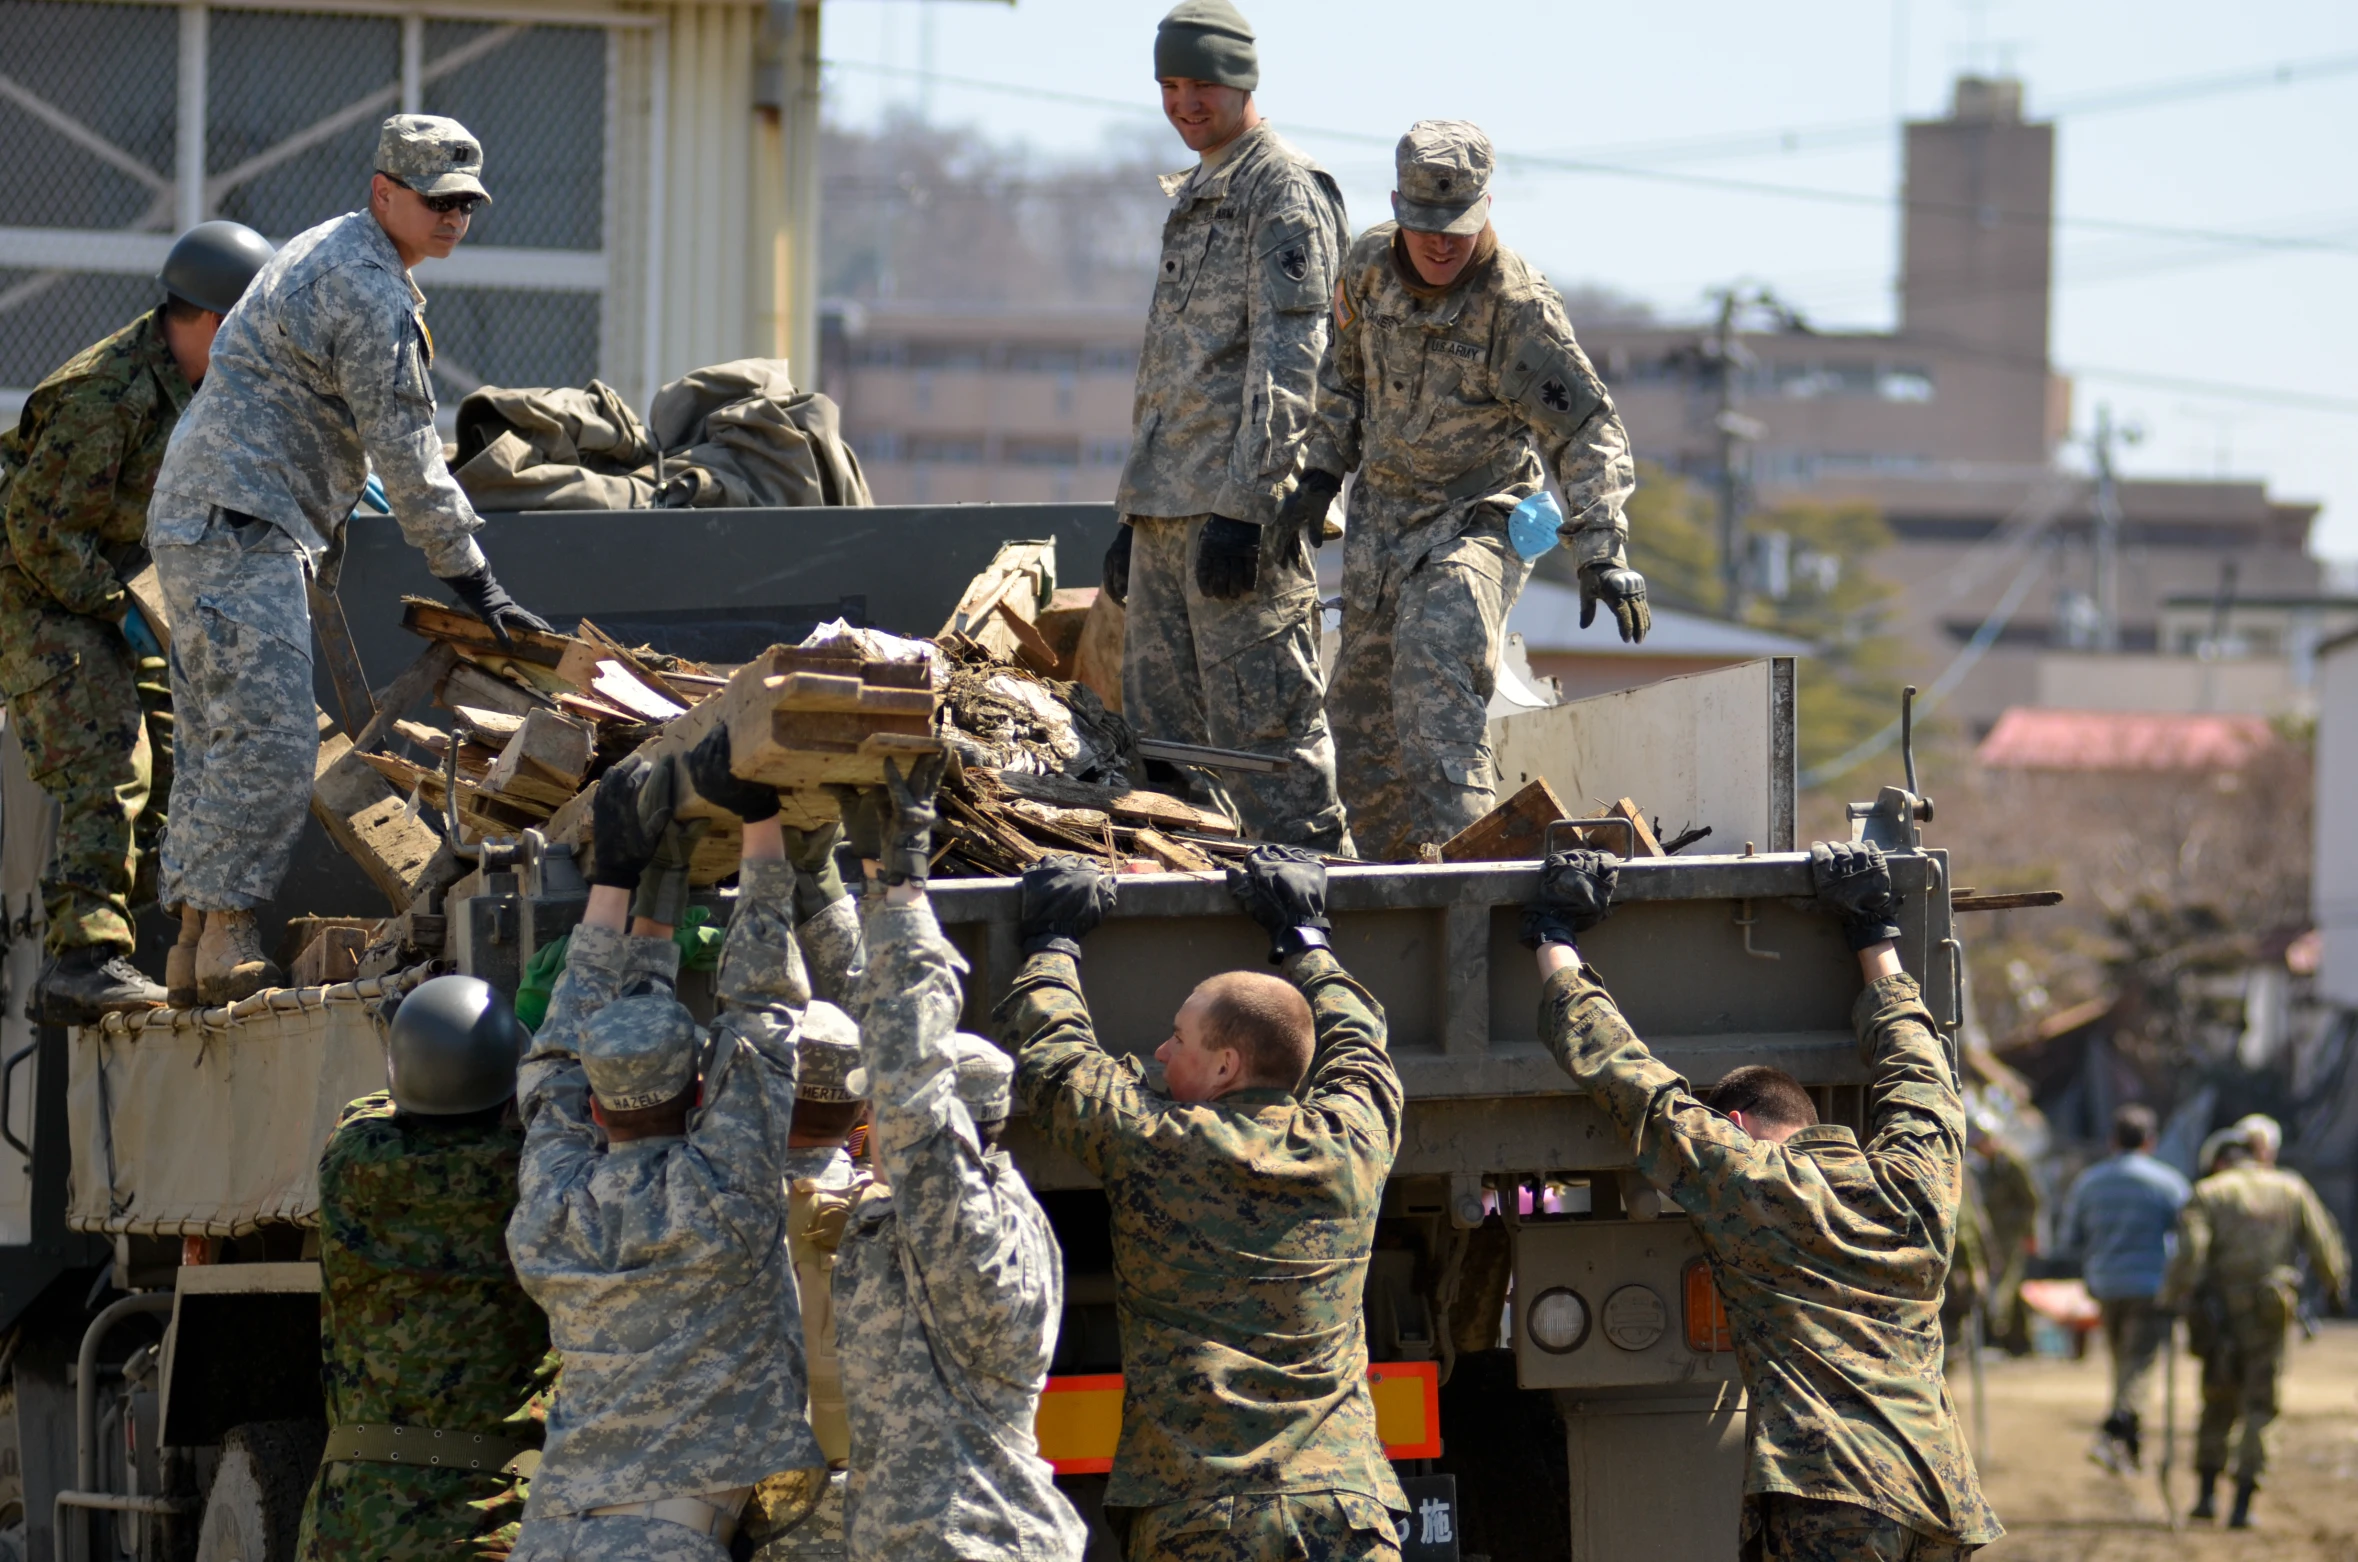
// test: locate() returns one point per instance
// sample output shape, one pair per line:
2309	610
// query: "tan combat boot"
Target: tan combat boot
230	963
180	983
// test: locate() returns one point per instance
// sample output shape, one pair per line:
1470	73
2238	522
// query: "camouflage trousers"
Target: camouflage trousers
1410	699
615	1537
82	702
1804	1529
2242	1364
2134	1332
247	734
1272	1527
366	1512
1239	674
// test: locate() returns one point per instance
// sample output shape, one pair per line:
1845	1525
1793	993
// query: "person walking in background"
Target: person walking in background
2118	1222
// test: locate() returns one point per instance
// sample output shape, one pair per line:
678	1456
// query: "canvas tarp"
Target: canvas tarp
211	1122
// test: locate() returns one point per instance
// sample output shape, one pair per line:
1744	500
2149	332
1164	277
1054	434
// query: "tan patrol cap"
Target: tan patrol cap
432	154
986	1075
827	1045
640	1051
1443	167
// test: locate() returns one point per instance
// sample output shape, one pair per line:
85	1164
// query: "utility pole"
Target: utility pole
1727	357
2108	532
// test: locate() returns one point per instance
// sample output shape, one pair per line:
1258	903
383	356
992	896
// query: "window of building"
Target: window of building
1107	451
1042	452
946	449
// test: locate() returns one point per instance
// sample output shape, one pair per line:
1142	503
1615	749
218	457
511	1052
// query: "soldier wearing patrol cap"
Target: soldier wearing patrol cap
651	1217
950	1283
1452	385
82	671
319	374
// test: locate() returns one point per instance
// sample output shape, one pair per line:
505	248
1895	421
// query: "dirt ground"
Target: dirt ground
2059	1506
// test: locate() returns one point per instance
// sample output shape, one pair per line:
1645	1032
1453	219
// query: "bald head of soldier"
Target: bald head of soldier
428	183
1767	1103
1207	65
1240	1030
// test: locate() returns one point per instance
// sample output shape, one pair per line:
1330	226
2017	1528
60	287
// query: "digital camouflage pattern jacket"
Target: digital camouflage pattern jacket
1829	1257
1447	403
1241	1231
950	1287
77	470
1229	372
422	1324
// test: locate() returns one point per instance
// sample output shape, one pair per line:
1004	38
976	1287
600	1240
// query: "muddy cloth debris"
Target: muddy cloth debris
733	434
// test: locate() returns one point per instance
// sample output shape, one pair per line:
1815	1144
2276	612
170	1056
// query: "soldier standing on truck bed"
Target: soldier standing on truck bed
2235	1276
1221	645
950	1280
1453	387
651	1217
430	1352
1829	1257
1244	1199
75	656
318	374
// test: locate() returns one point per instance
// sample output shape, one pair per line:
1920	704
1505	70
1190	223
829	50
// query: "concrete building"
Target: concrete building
654	168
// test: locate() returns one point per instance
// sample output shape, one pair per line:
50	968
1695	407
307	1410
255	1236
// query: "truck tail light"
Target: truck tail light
1707	1317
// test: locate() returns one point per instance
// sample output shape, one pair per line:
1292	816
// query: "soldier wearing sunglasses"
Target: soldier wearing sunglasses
319	374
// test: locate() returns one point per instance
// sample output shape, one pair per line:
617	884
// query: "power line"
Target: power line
1548	163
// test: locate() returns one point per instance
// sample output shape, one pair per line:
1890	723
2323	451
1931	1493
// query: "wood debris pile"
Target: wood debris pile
519	733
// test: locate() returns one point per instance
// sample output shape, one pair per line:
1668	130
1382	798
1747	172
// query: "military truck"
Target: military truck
1553	1375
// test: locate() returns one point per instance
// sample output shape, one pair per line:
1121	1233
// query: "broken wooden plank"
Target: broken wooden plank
487	726
433	621
617	684
2023	901
544	762
1097	660
1174	855
1212	758
469	685
409	686
333	956
1153	808
654	678
366	817
1514	831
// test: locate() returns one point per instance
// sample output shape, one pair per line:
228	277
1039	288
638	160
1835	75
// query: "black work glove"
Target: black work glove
1117	566
864	809
1307	505
662	895
1854	882
1064	898
628	816
1575	894
908	834
1623	591
717	784
1227	558
488	600
1284	889
818	883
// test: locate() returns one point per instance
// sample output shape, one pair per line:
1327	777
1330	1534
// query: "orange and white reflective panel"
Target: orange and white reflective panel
1081	1417
1707	1315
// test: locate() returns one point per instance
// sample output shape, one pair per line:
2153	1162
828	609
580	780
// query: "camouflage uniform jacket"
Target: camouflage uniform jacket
1241	1231
1229	372
2241	1233
422	1321
1447	405
317	374
662	1262
76	471
951	1287
1830	1258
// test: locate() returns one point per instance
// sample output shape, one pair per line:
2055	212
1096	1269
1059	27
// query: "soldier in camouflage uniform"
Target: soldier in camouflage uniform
87	703
1830	1257
1453	387
950	1281
320	373
651	1221
1244	1205
429	1349
2234	1274
1221	642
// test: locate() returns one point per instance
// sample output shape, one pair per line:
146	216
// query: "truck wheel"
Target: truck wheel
255	1509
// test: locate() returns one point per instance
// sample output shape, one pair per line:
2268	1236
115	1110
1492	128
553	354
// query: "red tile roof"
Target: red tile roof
2031	739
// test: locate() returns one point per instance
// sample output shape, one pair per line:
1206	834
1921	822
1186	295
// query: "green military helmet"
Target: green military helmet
210	265
454	1047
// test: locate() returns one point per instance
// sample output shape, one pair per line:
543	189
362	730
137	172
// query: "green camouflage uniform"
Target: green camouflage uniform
1241	1231
1830	1259
1226	380
423	1324
1453	406
75	475
2234	1276
2010	1196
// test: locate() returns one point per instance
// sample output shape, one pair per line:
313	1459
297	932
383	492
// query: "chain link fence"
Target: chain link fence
90	186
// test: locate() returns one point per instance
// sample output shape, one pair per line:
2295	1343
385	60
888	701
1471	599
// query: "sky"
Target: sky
2229	341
